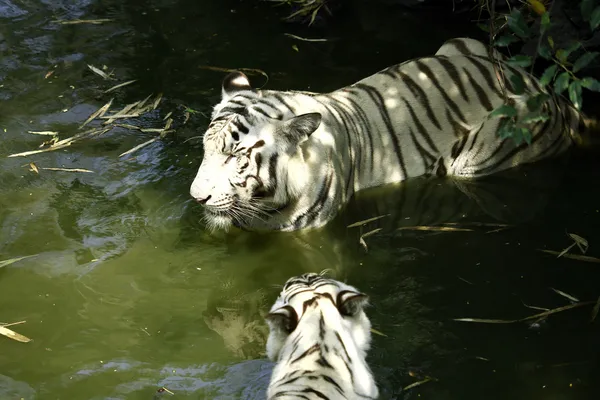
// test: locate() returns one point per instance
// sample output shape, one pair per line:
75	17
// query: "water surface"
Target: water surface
127	292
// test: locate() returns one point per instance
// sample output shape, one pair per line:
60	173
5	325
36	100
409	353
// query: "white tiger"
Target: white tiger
319	336
276	160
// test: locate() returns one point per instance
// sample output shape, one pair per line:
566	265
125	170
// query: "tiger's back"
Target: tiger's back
319	336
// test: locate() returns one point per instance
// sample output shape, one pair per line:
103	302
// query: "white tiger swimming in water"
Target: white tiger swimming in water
286	160
319	336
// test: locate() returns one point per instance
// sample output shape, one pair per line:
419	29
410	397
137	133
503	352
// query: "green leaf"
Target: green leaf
519	61
518	84
535	102
590	84
517	24
506	129
584	60
563	54
523	134
545	23
561	83
595	18
503	111
517	136
573	47
505	40
544	51
586	7
575	94
548	75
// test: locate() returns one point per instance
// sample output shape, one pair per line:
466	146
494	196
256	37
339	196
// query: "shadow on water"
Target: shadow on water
128	292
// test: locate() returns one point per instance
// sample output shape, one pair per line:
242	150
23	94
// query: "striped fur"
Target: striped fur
319	336
277	160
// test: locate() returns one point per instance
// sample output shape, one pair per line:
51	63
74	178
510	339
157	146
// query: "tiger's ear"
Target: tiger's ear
350	303
283	319
299	128
233	83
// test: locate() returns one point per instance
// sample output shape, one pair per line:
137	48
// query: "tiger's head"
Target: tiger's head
251	146
289	308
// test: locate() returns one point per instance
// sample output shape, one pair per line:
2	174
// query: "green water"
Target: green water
126	291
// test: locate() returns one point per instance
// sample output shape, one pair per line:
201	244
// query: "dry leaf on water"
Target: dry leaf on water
434	228
536	316
13	335
572	256
366	221
361	240
14	260
567	295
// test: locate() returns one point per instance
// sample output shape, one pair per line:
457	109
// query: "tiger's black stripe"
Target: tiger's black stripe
451	103
378	101
420	96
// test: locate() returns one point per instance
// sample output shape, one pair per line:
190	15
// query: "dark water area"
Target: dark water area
126	292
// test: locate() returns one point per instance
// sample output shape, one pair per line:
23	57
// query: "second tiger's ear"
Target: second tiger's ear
234	82
284	319
350	303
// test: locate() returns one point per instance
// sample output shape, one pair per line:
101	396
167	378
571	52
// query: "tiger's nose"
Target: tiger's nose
203	200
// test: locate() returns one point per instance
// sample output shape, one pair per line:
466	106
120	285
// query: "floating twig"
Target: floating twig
535	307
572	256
434	228
366	221
375	331
98	113
68	169
581	242
83	21
567	295
9	333
191	138
305	39
128	126
115	116
120	85
99	72
157	101
61	144
13	323
536	316
47	133
361	240
139	146
4	263
419	383
486	224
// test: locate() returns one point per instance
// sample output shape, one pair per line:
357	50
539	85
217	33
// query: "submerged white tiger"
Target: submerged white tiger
319	336
287	160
